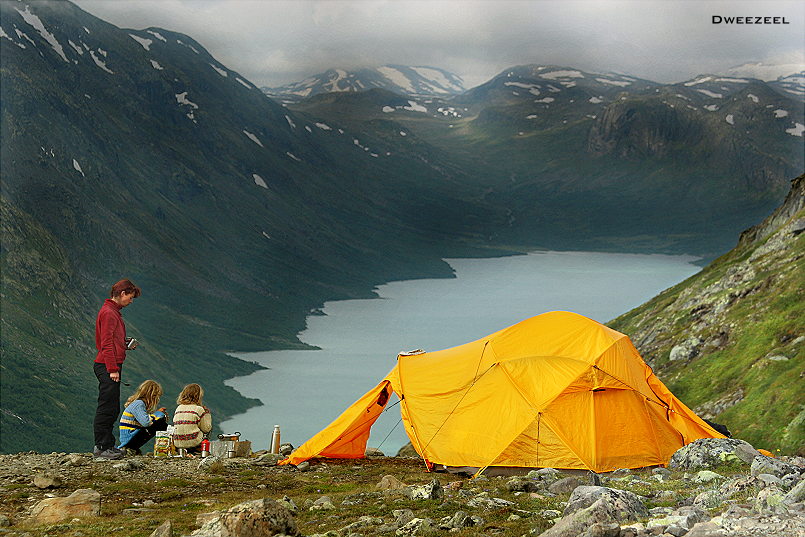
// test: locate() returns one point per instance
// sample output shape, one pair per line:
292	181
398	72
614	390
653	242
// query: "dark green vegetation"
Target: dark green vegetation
738	328
146	158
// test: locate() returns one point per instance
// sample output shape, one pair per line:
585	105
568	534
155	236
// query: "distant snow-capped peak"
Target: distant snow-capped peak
764	71
405	80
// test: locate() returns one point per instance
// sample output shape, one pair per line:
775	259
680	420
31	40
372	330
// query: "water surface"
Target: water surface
303	391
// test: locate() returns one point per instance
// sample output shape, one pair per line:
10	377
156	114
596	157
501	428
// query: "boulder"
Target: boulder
389	482
746	453
322	503
255	518
600	512
47	481
373	452
770	500
566	484
417	526
431	491
704	453
524	484
707	529
768	465
164	530
706	476
625	505
82	502
796	494
402	516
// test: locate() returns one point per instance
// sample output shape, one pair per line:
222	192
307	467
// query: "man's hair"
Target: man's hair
124	285
191	395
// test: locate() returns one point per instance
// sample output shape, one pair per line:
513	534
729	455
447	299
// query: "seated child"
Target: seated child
191	420
140	422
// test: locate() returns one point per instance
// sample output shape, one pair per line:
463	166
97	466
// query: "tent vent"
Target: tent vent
412	353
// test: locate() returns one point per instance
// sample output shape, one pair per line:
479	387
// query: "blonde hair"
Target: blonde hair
191	395
149	393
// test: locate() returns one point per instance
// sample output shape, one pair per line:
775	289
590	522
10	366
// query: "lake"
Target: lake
304	390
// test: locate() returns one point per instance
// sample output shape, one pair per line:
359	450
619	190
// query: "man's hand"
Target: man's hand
115	376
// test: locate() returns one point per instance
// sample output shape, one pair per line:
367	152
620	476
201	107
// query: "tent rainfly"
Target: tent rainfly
557	390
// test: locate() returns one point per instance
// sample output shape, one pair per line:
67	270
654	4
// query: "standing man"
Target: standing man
111	342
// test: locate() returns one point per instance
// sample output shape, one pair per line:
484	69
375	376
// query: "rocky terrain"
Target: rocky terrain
713	487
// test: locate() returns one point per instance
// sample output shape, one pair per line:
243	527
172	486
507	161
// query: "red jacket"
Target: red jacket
110	336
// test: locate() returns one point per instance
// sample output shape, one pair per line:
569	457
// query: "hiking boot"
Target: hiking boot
96	451
111	454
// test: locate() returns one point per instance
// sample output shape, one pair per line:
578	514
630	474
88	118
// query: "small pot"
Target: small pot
234	437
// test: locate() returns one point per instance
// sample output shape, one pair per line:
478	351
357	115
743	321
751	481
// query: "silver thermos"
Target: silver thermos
275	440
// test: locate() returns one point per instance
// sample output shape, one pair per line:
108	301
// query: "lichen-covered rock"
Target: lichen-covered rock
768	465
566	484
389	482
431	491
704	453
601	512
524	484
417	526
255	518
164	530
626	505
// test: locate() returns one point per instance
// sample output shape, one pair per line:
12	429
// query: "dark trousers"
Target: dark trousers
108	408
141	436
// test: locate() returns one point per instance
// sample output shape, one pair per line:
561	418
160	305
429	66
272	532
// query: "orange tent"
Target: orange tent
557	390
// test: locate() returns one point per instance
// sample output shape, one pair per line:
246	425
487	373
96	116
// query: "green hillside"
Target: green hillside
730	340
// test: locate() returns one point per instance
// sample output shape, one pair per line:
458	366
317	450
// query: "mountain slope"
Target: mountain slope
135	153
402	79
730	340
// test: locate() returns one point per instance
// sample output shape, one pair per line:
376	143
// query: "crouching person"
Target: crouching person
192	420
141	419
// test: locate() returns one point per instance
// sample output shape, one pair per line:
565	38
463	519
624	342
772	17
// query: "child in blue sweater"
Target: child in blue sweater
140	421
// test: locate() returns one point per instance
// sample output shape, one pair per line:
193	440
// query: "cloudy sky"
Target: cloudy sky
274	42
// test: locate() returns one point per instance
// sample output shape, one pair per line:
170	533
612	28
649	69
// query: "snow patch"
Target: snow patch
219	70
260	182
712	94
596	100
191	47
780	113
730	119
796	130
396	77
146	43
297	159
532	116
621	83
157	35
87	30
388	109
323	126
78	49
545	100
100	63
155	65
553	75
414	106
403	133
711	107
290	122
307	128
735	80
243	82
754	98
181	98
699	81
253	138
77	166
36	23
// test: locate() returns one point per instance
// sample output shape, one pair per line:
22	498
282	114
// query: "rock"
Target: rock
303	466
768	479
706	476
767	465
796	494
686	350
408	451
286	449
210	461
707	529
626	505
47	481
402	516
75	459
288	504
431	491
322	503
268	459
566	484
363	522
164	530
255	518
704	453
770	499
746	453
389	482
483	500
709	499
548	475
82	502
575	524
4	521
374	452
524	484
463	520
417	526
129	465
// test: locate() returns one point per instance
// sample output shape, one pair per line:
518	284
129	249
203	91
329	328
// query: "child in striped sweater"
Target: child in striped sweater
192	420
141	419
